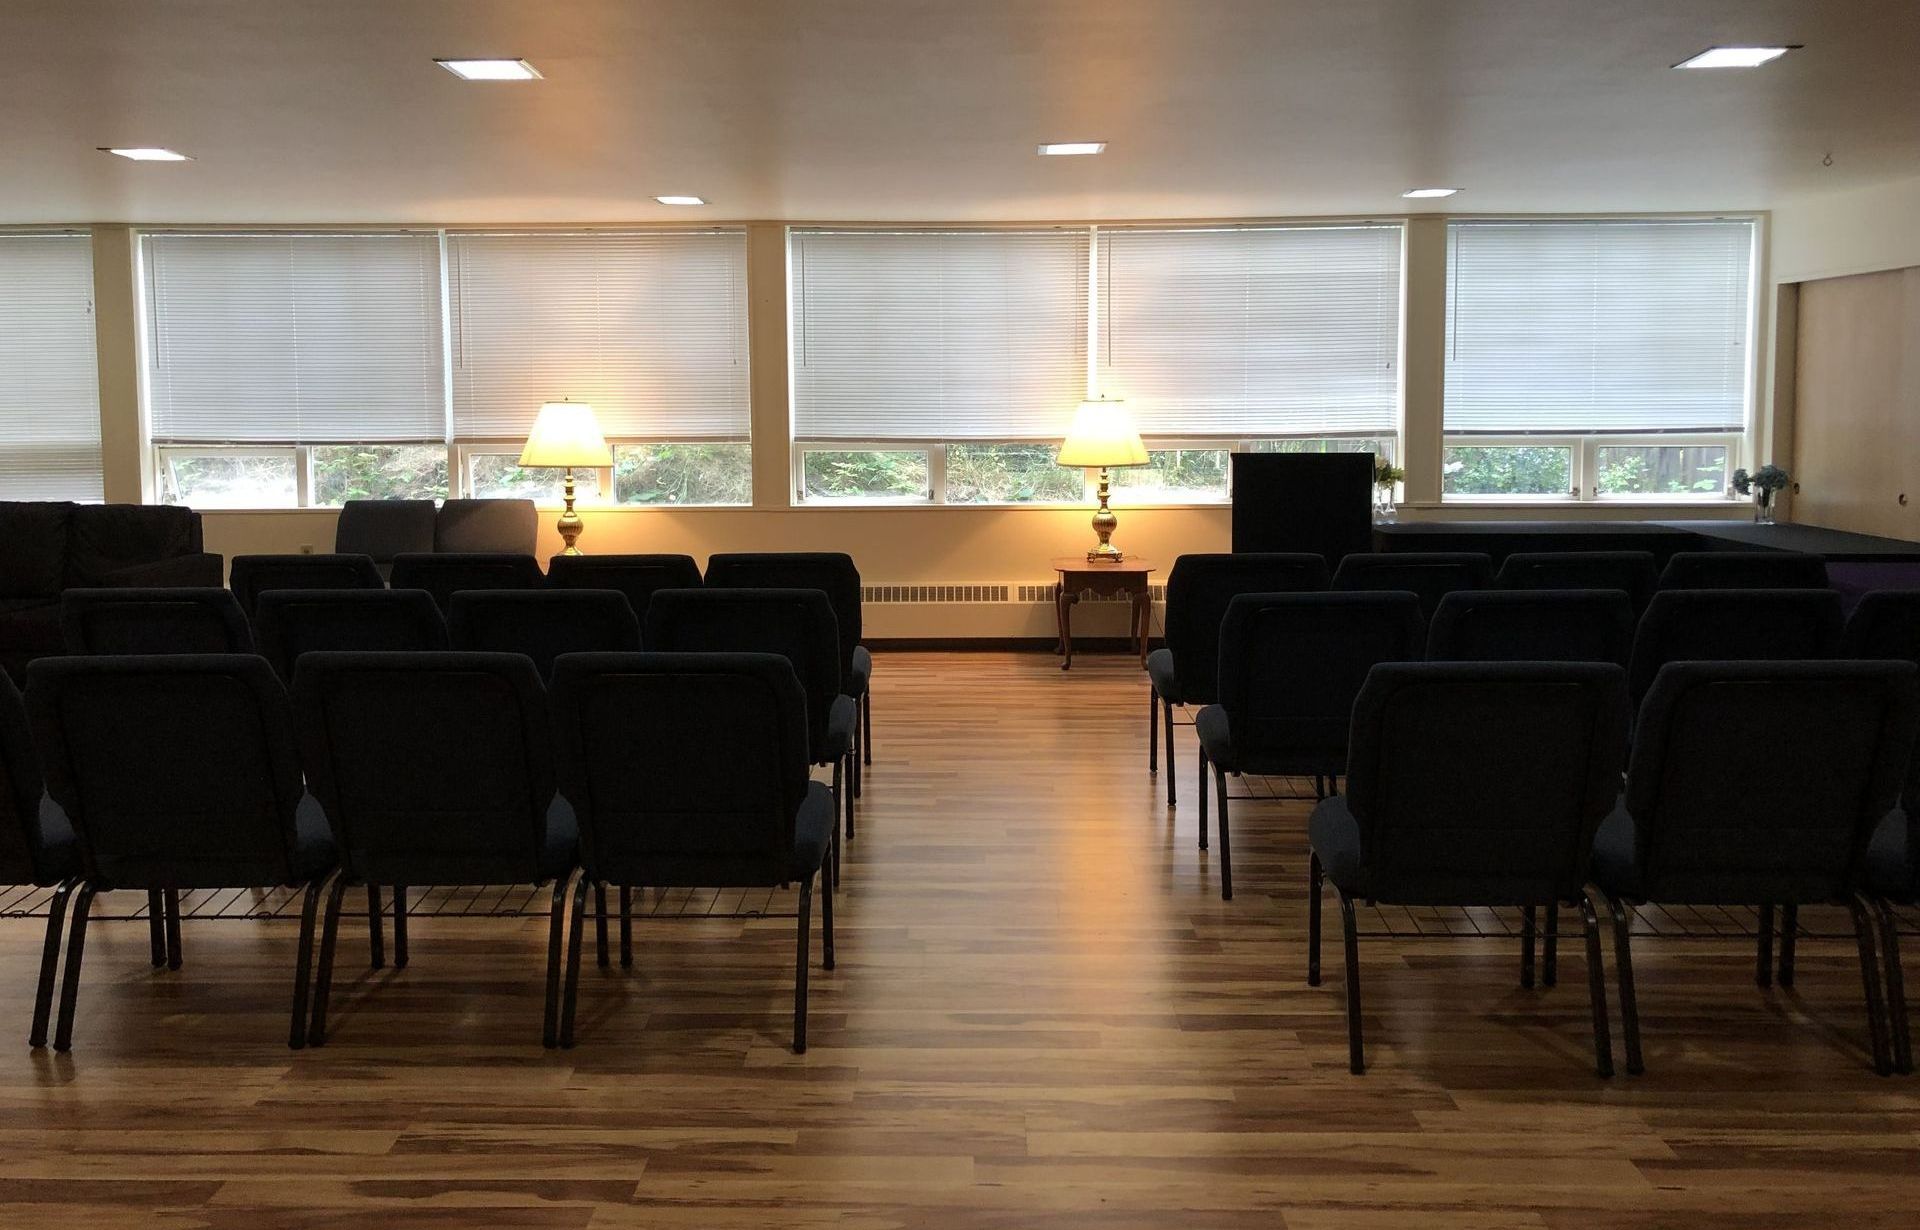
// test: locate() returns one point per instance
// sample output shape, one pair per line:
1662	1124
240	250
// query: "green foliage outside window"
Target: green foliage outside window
683	474
1500	469
379	472
891	475
1010	474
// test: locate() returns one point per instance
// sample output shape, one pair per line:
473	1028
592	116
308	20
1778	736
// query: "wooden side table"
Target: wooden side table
1077	575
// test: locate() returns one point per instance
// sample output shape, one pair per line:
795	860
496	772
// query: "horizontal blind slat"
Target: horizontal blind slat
50	394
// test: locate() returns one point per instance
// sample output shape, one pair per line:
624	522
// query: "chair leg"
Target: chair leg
399	926
49	959
1528	927
1356	1045
837	843
70	983
600	925
839	804
1166	720
1763	956
1316	876
157	927
1597	990
172	896
376	930
303	965
1896	984
1226	841
866	725
550	1033
1550	948
323	977
800	968
1319	787
1789	932
626	926
826	917
853	756
572	993
1629	996
1203	797
1870	982
1153	730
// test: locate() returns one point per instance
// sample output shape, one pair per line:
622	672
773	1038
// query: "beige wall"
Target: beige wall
1845	233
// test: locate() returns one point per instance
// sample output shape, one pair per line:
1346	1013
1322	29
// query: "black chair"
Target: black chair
1885	624
437	770
1721	625
834	574
797	624
504	527
1744	570
1632	572
1532	625
1198	591
1893	874
543	623
1472	784
384	529
253	575
37	845
1758	783
445	574
179	772
636	576
690	770
148	621
1290	666
290	622
1430	574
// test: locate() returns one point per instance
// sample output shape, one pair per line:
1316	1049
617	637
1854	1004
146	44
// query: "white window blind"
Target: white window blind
941	335
650	328
294	338
1252	331
49	381
1590	327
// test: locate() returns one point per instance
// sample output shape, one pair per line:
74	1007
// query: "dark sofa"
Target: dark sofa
46	548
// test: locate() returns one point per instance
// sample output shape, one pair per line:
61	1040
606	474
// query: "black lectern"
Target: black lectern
1317	502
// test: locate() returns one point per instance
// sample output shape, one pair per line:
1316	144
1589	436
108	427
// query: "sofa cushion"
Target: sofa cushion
33	548
106	538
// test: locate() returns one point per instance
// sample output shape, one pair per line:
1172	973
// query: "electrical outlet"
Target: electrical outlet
306	548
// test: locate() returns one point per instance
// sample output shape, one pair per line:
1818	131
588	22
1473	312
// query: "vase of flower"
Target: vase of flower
1385	475
1761	486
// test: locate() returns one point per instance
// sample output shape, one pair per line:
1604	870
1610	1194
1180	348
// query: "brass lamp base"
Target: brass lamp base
570	525
1104	523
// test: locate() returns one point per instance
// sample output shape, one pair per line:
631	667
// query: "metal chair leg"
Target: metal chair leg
1203	798
399	926
376	929
571	998
1316	875
1226	841
1896	985
1629	996
550	1034
626	926
840	809
303	966
1528	926
157	927
1356	1045
1550	948
1789	932
70	983
49	959
1153	730
826	918
1597	990
600	925
800	968
866	725
323	977
1870	982
1763	951
172	896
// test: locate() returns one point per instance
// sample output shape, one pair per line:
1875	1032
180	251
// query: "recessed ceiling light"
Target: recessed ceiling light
1736	57
1421	194
491	70
146	154
681	200
1061	149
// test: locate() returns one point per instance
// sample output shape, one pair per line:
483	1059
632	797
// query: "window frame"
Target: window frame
1584	466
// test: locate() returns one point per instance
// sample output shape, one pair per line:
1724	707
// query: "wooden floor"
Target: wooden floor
1043	1015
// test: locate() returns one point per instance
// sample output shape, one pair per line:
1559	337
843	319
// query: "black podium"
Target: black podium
1316	502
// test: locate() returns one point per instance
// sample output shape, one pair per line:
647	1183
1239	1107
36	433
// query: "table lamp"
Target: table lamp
566	434
1102	435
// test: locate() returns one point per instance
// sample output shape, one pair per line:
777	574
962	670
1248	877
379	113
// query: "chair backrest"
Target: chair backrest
1632	572
444	574
1761	781
636	576
543	623
382	529
253	575
435	768
1732	625
1482	783
830	572
1885	623
1291	664
20	792
1744	570
797	624
146	621
1430	574
1198	591
1532	625
508	527
177	770
290	622
684	768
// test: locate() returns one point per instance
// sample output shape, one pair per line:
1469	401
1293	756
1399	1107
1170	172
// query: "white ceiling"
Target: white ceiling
333	111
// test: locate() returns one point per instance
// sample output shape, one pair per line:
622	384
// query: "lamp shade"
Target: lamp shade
1102	435
566	434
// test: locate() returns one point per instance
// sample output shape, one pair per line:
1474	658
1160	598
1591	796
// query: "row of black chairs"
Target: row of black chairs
1747	783
168	773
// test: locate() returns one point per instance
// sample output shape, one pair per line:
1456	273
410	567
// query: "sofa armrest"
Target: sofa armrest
205	570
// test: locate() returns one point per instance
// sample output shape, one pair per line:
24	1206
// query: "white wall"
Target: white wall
1843	233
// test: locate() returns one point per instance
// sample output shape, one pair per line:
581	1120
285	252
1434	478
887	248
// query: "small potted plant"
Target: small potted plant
1385	475
1760	485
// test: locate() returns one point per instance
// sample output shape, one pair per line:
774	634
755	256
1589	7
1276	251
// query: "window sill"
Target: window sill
1707	508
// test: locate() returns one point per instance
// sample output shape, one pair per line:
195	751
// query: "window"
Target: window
1595	360
683	474
50	400
1010	474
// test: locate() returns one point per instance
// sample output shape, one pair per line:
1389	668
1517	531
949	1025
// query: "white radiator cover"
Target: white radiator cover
961	610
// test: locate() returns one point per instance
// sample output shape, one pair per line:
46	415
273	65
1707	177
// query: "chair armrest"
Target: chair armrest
203	569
